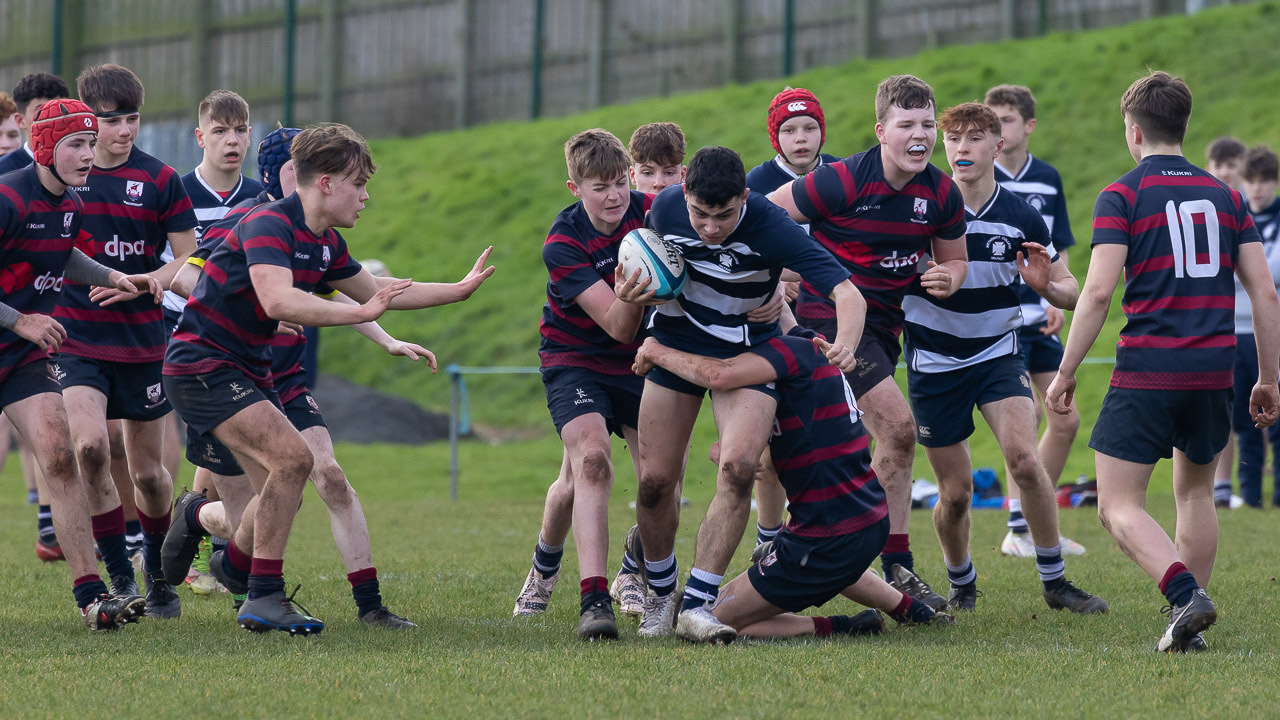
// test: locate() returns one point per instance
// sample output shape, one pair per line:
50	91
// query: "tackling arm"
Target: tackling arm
712	373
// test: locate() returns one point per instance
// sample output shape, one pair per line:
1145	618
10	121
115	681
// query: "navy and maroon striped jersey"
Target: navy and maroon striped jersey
880	234
1183	229
37	235
577	256
819	446
128	212
224	324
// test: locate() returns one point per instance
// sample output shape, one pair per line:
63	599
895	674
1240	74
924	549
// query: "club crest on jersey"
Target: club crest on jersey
66	223
324	258
920	207
133	191
1036	201
154	395
726	260
312	402
999	247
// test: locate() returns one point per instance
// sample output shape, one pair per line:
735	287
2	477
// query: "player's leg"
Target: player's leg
872	590
771	500
1247	439
173	431
47	547
1196	531
951	521
666	420
588	452
557	519
1055	444
41	419
153	495
750	615
124	490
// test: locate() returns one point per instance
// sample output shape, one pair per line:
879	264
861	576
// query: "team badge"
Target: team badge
769	559
324	258
999	247
312	402
1037	202
726	260
66	223
133	190
920	208
154	395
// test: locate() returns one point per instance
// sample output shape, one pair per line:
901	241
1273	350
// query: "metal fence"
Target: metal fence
405	67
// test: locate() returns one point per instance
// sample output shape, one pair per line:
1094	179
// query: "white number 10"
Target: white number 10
1182	233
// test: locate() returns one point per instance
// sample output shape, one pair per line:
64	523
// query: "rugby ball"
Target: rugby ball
657	259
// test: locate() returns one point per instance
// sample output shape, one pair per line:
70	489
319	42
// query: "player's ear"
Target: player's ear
200	138
880	131
1031	126
573	187
999	146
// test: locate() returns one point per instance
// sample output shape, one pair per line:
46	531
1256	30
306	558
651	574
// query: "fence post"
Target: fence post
462	113
734	72
598	56
455	403
330	60
1008	19
290	42
868	14
535	60
68	37
201	56
1042	16
788	37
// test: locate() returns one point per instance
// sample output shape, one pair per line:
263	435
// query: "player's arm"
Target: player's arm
273	285
851	314
712	373
616	309
385	340
1255	276
1051	280
182	243
783	198
363	286
948	268
184	282
1105	267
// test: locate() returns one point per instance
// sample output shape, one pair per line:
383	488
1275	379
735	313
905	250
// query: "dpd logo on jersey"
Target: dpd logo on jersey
66	223
116	247
797	106
133	192
48	282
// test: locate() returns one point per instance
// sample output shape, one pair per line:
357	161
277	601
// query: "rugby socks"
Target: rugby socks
365	590
911	610
897	551
153	531
1017	524
87	589
837	625
962	574
192	515
702	588
1222	491
1178	584
133	539
662	575
594	589
108	531
44	525
236	563
546	558
629	564
1049	564
764	534
266	576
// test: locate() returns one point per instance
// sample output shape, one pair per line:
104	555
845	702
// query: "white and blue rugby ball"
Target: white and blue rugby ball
656	258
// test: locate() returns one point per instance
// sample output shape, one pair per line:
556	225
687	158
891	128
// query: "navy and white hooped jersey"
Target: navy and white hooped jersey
224	324
128	212
209	206
728	280
16	159
1183	229
980	321
1268	224
577	256
774	173
819	446
37	234
878	233
1039	184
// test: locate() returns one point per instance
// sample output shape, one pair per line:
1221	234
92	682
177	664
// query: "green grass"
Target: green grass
456	568
439	199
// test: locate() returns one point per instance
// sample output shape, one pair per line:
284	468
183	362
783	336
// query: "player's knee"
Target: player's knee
1024	466
331	484
738	475
955	503
61	464
151	481
93	456
653	491
597	469
900	437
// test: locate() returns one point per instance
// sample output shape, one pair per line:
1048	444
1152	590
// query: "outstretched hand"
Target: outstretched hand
411	351
479	273
1033	265
127	287
381	300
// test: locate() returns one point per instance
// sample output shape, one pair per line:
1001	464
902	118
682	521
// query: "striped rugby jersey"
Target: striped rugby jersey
209	207
128	212
1039	184
980	321
1183	229
879	234
577	256
818	444
728	280
224	324
37	234
773	173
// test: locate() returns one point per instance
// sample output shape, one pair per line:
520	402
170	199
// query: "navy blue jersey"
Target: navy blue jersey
209	206
728	280
1039	184
37	234
980	321
819	446
128	212
224	324
16	159
879	234
577	256
1183	229
773	174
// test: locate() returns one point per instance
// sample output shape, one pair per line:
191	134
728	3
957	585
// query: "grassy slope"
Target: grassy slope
439	199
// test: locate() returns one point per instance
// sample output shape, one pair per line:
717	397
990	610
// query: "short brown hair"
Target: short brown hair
110	87
223	106
7	106
661	143
1161	105
969	115
1224	149
1261	165
596	154
905	91
1015	96
330	149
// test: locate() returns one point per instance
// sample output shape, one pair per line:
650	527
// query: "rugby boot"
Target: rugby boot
1186	622
162	600
182	541
700	626
963	597
908	582
382	617
535	595
108	612
596	622
49	551
236	587
277	612
1066	595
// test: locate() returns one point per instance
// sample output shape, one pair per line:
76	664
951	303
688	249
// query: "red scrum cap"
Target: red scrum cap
794	102
55	121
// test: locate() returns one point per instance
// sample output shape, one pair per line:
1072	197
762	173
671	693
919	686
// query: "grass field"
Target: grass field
456	568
